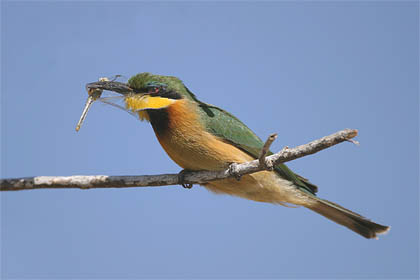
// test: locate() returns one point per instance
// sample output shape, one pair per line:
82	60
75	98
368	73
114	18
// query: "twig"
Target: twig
199	177
264	162
354	142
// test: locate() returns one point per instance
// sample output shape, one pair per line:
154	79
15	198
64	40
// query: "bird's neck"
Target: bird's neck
159	120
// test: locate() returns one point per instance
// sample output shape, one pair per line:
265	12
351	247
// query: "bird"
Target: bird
201	136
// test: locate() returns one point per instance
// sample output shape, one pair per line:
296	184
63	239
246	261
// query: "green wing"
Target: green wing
233	131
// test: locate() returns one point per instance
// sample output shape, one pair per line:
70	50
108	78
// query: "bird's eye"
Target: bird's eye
153	89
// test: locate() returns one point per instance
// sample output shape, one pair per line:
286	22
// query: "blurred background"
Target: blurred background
303	70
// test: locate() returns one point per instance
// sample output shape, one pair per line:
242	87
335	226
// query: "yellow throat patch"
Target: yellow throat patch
138	103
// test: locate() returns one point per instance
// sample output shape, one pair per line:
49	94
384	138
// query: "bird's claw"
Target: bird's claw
181	179
233	170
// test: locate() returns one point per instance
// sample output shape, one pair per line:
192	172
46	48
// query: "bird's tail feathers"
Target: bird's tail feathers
347	218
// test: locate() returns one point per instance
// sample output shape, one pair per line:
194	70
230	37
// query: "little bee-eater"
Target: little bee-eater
200	136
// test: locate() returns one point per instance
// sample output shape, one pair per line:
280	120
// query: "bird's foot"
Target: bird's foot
181	179
233	170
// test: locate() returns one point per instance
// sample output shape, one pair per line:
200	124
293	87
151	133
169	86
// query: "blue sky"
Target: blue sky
303	70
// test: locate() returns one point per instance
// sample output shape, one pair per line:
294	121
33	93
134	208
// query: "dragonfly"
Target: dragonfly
95	93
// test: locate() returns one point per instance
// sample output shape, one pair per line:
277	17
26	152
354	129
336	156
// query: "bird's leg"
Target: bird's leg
233	170
181	179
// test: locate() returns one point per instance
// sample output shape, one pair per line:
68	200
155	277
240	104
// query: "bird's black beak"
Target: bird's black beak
118	87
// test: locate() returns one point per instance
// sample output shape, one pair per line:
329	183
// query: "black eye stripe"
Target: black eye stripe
171	94
162	91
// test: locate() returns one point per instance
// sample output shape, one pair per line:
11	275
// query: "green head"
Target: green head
157	85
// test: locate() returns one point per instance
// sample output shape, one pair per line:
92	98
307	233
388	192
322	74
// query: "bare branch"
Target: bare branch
199	177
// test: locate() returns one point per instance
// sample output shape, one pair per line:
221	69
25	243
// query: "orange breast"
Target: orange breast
188	143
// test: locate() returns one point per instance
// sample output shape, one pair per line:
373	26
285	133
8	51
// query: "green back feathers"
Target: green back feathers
229	128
